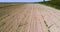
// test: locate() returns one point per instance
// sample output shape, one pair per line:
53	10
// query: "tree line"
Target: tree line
55	2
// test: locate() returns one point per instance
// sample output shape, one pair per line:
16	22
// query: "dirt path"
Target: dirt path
29	18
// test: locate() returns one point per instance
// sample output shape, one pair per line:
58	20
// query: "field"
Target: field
29	18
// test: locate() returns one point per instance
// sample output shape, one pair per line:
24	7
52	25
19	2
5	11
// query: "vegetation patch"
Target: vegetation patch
47	26
49	3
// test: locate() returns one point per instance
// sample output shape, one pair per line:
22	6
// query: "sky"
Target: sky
21	0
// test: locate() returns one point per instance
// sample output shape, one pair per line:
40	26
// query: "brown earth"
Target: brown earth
29	18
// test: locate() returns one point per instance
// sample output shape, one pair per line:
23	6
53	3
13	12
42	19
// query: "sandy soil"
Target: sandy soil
29	18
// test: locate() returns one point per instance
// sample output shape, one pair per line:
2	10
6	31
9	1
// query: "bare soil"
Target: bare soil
29	18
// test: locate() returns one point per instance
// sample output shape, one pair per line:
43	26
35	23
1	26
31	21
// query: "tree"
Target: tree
43	0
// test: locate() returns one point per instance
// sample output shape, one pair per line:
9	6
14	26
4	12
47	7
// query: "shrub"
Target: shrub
55	2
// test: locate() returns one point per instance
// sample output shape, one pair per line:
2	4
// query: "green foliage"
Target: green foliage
55	2
51	4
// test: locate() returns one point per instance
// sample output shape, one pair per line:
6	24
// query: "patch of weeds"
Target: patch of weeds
45	23
47	26
2	24
6	6
48	30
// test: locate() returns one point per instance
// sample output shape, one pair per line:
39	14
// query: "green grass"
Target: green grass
48	3
6	6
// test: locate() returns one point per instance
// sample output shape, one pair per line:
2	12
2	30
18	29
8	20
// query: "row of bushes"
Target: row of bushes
52	3
55	2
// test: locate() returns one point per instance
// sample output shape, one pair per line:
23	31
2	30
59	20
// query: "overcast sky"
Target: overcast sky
20	0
